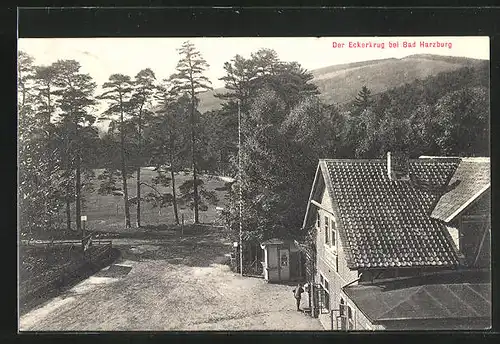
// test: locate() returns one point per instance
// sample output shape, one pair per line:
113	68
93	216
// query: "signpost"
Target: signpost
85	241
236	256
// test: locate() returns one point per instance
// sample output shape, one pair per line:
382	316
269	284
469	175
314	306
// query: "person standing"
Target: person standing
297	293
307	289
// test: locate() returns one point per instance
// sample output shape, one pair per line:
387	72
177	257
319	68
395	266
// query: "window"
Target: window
326	230
324	299
350	319
342	318
334	230
327	300
318	220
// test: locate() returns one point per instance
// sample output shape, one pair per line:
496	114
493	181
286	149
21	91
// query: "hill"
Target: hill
340	83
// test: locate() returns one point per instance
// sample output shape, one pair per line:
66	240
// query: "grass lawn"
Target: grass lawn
106	212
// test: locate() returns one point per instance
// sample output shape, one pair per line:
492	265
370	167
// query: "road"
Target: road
170	284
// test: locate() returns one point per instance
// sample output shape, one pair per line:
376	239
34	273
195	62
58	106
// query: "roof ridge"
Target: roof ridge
350	159
476	159
384	159
439	157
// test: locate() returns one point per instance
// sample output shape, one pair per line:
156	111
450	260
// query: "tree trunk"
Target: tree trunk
124	167
78	186
174	194
68	209
193	153
48	147
125	190
138	173
78	183
138	180
68	185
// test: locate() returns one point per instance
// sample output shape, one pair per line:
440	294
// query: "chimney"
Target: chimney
398	166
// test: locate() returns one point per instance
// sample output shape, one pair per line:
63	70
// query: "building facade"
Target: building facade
409	232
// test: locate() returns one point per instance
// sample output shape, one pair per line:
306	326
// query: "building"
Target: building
282	262
400	243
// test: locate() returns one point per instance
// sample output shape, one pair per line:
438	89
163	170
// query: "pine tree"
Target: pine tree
39	172
363	100
166	139
142	96
76	97
25	76
190	79
118	90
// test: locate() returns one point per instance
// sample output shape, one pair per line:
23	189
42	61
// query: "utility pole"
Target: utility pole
240	192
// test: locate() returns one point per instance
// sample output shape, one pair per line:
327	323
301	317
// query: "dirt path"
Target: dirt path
170	284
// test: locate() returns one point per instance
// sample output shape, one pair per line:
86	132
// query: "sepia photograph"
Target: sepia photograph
254	183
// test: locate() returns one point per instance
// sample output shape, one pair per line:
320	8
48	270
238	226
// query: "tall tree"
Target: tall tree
25	75
166	140
244	80
363	100
238	81
141	101
189	79
268	89
45	78
118	91
39	174
239	84
45	99
76	97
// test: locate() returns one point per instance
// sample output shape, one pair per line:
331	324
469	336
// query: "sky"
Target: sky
101	57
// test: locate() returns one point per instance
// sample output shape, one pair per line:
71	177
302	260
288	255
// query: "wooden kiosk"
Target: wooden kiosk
283	261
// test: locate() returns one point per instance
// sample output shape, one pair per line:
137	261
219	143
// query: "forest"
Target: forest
284	125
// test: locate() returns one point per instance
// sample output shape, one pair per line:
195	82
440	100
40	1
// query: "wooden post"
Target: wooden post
289	256
83	219
299	254
240	189
485	233
279	262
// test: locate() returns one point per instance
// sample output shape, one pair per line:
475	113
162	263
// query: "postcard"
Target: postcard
254	183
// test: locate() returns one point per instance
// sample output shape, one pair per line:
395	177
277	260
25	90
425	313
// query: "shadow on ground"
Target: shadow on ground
199	246
187	252
69	282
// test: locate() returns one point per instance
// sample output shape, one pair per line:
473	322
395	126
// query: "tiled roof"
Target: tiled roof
387	223
471	178
445	300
